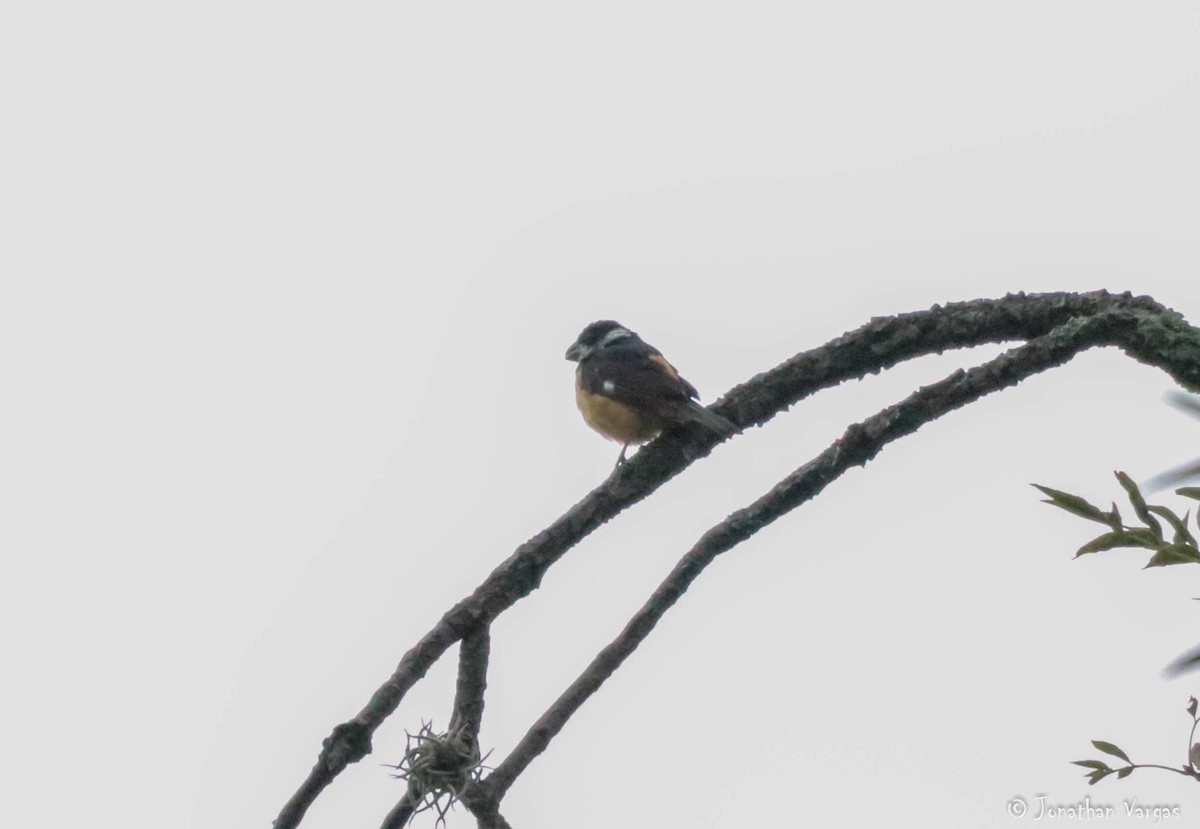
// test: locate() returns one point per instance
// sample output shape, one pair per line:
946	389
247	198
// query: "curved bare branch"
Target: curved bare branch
1146	330
858	445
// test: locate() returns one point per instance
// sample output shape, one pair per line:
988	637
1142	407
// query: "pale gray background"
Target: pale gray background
287	287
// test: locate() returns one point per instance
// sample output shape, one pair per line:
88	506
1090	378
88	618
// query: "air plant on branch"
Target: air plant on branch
439	767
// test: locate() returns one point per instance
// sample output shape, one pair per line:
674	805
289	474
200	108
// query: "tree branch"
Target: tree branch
860	443
1158	336
400	814
473	654
472	681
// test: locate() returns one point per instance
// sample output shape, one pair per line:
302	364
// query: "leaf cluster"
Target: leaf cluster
1179	548
1099	769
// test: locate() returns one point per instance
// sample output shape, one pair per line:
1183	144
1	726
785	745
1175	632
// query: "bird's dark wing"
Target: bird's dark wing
638	377
641	378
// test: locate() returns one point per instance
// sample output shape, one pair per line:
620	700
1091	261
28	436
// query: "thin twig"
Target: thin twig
484	807
472	681
400	815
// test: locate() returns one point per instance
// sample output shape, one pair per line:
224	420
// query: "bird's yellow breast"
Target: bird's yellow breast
613	419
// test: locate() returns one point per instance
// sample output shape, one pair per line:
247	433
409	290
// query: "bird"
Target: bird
628	392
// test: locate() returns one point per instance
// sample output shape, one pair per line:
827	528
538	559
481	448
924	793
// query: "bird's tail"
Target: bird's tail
709	420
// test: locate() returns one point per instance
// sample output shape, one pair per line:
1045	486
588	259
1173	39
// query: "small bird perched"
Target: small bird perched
628	392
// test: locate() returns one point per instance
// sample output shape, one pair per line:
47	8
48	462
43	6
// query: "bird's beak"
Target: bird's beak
574	352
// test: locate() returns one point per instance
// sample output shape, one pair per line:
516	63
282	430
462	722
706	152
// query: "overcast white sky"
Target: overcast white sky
286	292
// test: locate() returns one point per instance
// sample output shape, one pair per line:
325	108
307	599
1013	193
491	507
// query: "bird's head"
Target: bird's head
596	336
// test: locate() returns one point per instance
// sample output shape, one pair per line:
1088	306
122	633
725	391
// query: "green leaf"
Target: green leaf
1114	519
1125	772
1178	524
1109	748
1110	540
1091	764
1173	554
1139	503
1073	504
1189	492
1148	539
1096	776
